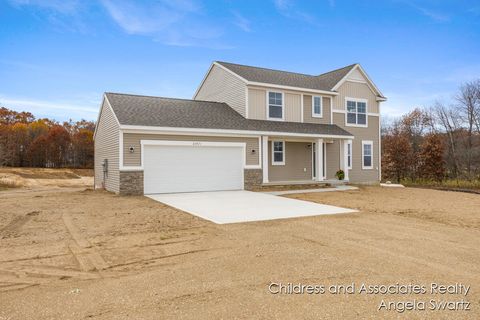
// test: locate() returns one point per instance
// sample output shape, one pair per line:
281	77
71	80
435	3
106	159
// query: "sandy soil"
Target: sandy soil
94	255
40	178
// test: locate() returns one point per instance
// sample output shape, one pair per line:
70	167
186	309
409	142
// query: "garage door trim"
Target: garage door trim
209	147
196	144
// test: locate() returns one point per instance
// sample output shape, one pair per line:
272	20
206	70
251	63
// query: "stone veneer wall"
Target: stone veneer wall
131	183
252	178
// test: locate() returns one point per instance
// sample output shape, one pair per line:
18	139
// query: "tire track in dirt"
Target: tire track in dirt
387	250
18	222
87	257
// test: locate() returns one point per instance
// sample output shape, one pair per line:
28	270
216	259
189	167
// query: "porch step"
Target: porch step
333	182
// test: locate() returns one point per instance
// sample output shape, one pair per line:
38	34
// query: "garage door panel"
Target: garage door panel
169	169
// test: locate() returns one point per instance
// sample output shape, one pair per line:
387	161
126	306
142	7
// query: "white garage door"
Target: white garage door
192	166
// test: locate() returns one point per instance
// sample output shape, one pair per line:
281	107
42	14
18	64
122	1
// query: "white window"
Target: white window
367	154
275	105
317	108
278	153
349	155
356	112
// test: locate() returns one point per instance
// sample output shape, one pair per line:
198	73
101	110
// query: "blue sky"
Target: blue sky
57	57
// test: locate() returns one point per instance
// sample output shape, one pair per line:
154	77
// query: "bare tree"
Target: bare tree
447	118
469	107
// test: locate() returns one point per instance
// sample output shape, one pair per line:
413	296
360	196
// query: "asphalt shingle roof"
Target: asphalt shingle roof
179	113
325	81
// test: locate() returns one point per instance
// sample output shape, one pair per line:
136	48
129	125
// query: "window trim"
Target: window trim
316	115
278	163
268	106
350	166
356	112
367	142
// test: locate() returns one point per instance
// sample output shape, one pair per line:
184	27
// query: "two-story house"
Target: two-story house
245	127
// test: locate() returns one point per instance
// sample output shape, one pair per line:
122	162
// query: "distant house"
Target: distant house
245	127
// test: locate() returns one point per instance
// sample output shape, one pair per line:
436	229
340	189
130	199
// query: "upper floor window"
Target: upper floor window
275	105
367	155
356	112
317	107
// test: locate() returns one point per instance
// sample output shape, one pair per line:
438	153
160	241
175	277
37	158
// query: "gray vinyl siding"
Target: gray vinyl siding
107	147
298	156
307	110
357	174
133	140
222	86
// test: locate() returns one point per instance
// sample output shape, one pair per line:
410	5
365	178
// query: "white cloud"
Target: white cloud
428	12
288	9
62	6
58	110
179	23
241	22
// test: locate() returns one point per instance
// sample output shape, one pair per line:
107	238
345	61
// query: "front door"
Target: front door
314	163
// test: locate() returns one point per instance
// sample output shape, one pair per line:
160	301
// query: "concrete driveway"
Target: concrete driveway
243	206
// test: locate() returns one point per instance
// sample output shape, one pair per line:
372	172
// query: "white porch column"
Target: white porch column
319	159
265	158
345	158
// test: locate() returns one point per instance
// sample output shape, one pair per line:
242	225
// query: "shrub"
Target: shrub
340	174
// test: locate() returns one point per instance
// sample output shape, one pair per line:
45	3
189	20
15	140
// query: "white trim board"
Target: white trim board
278	163
367	142
370	83
314	115
267	108
196	144
222	132
105	99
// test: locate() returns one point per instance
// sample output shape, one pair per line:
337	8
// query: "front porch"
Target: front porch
304	161
307	183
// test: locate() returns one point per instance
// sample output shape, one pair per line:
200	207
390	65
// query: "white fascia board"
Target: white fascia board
261	84
277	86
105	99
369	81
203	80
221	132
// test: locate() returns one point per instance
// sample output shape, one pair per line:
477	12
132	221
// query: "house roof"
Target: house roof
325	81
135	110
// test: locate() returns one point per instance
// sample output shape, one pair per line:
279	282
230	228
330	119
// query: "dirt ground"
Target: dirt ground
94	255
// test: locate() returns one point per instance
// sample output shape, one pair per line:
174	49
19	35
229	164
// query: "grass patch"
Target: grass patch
5	184
451	184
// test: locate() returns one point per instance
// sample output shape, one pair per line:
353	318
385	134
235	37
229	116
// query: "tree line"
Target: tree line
435	143
29	142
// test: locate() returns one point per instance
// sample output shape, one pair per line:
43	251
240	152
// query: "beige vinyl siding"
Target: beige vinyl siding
222	86
257	105
307	110
107	147
333	158
257	100
293	109
298	156
133	140
355	90
357	174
